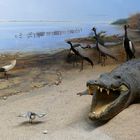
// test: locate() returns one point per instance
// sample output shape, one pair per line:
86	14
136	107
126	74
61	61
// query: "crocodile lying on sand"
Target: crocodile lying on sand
114	91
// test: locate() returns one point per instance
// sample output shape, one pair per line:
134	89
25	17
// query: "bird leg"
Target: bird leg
73	64
82	63
6	75
103	62
30	121
75	61
127	57
99	60
104	58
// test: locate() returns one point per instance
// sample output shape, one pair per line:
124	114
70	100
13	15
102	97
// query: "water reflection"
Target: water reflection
49	33
42	37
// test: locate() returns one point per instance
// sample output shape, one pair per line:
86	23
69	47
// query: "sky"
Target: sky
61	10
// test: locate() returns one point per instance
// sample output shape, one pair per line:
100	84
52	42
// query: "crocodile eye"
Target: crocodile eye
104	74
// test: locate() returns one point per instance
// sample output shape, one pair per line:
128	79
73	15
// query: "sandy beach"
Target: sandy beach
47	83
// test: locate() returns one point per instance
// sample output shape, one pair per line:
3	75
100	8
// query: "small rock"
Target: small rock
36	86
4	98
57	83
60	79
18	91
45	132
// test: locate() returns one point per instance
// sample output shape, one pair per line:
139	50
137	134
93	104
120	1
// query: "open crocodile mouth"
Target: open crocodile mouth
105	98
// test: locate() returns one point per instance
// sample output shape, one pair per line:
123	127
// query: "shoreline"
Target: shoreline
39	70
48	51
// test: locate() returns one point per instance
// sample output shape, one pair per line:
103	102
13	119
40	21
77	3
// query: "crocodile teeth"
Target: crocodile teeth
108	92
98	87
101	89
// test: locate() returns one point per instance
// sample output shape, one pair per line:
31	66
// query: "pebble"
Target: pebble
57	83
45	132
4	98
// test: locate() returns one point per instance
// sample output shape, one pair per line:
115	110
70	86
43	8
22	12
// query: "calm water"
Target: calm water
45	36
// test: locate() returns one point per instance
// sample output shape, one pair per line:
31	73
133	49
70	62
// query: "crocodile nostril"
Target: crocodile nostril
112	85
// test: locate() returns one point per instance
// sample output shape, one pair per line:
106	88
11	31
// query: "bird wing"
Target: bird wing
11	66
84	53
76	45
7	67
89	60
107	51
41	115
23	115
131	45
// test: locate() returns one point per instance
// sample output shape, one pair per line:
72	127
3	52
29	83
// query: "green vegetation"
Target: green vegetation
133	21
120	22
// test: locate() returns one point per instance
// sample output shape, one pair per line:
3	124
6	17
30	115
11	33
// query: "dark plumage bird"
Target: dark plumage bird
128	45
71	54
81	52
103	51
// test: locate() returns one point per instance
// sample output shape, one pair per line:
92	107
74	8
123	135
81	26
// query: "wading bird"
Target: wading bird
83	53
72	55
7	68
103	51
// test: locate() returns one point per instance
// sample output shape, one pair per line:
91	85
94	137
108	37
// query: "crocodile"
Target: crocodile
114	91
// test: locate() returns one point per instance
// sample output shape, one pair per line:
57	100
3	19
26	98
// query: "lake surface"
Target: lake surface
45	36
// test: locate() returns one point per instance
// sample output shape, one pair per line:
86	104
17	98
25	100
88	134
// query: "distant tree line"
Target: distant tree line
133	21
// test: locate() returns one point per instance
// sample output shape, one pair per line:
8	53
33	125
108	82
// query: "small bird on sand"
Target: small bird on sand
32	115
7	68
